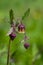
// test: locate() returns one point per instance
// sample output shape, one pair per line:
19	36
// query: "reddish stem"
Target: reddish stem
8	57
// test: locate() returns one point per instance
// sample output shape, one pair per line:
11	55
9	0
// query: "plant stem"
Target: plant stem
8	57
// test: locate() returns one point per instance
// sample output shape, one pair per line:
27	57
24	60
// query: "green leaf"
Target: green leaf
26	14
11	16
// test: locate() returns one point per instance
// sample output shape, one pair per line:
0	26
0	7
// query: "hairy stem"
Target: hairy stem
8	57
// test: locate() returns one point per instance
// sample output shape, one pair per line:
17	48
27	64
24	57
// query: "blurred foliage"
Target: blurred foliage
34	29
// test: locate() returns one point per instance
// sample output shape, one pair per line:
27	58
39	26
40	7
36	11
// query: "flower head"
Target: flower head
21	28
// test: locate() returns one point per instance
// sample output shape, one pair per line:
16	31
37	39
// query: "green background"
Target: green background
34	30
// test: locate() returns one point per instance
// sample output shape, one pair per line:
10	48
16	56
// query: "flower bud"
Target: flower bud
26	45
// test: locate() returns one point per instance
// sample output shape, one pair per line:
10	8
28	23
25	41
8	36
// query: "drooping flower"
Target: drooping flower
12	36
26	45
21	28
